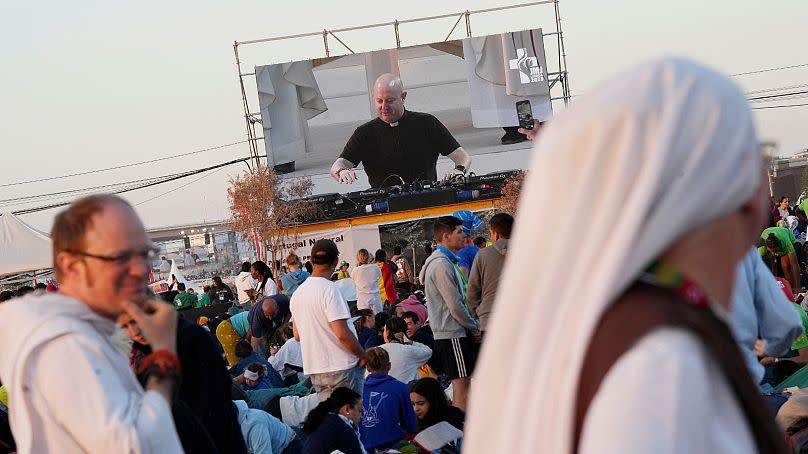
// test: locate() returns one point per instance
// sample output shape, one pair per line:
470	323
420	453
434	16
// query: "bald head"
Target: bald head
389	95
390	82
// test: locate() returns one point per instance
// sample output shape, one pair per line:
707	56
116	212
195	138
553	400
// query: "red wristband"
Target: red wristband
161	363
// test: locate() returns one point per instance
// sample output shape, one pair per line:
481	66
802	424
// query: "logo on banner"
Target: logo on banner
529	68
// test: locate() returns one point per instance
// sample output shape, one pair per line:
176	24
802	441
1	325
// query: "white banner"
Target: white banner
348	239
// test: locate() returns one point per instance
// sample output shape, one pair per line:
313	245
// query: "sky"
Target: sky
95	84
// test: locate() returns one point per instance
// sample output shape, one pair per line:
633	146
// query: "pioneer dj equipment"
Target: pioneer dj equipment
409	196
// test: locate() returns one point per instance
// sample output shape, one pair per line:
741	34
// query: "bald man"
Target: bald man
400	145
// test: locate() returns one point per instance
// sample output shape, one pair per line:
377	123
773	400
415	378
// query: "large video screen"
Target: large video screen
310	109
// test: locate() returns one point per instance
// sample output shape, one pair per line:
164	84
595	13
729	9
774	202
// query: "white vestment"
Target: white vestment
70	389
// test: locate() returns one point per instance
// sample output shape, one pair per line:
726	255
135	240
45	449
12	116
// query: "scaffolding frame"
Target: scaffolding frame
250	119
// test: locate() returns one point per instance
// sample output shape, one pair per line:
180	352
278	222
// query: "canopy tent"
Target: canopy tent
22	247
157	286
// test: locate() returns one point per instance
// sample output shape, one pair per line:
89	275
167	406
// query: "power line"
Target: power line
123	166
177	188
146	185
781	107
766	90
769	70
777	96
62	194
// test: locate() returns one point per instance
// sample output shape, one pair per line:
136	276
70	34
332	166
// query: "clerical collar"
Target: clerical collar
395	123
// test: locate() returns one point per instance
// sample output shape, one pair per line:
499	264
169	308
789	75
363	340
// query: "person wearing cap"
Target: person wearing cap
332	356
343	270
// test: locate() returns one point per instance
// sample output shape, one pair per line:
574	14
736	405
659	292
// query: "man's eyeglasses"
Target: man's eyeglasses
145	255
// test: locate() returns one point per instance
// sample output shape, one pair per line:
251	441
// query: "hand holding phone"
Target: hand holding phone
525	114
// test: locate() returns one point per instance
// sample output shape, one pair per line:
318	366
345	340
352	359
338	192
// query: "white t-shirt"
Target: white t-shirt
347	287
315	304
289	353
271	288
406	359
366	278
244	281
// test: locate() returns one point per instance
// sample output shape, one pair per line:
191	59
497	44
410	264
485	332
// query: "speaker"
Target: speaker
187	242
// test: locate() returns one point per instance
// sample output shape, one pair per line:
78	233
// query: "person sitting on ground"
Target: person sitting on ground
406	356
783	367
779	254
412	304
431	405
264	433
222	291
332	425
387	284
204	298
254	377
367	277
422	333
387	414
295	276
265	284
364	325
247	356
205	411
287	359
376	338
184	300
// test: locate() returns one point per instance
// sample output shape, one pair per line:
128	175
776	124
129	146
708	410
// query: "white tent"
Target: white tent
22	247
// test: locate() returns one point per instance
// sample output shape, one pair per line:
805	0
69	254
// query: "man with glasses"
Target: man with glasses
59	345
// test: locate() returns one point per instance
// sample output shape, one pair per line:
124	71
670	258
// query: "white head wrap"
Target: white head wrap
649	155
250	375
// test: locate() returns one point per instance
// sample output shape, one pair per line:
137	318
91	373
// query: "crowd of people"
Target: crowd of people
656	326
321	359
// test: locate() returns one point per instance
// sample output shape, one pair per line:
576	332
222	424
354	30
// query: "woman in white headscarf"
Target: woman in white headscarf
666	161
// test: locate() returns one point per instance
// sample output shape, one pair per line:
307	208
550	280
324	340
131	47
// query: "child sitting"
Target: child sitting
387	415
254	378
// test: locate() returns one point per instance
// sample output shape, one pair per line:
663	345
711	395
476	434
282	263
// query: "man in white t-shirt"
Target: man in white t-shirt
332	356
245	284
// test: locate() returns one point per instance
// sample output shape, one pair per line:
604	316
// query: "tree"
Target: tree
510	193
270	207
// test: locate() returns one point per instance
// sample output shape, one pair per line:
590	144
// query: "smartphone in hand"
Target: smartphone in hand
525	114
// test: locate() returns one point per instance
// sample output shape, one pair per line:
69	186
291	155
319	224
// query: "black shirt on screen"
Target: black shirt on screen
409	150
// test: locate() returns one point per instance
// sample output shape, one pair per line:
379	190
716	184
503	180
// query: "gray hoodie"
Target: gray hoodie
448	317
484	279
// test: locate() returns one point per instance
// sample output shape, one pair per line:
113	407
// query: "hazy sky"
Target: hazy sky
94	84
